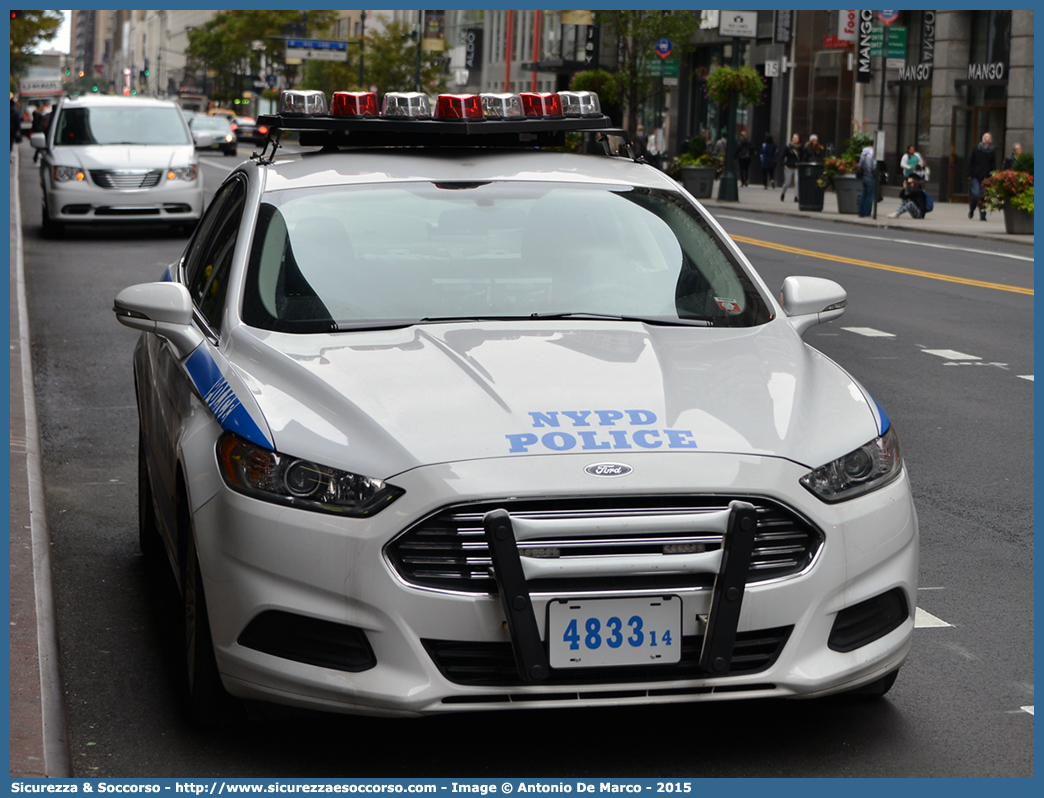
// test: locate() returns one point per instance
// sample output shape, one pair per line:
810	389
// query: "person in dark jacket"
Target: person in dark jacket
981	162
812	152
1016	151
911	200
791	156
744	152
768	160
16	124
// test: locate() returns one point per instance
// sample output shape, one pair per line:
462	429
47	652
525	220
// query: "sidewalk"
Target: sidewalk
38	722
947	218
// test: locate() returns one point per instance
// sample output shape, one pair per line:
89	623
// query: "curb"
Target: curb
39	729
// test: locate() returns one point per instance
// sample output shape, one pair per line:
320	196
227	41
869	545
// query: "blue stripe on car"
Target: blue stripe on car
221	398
885	422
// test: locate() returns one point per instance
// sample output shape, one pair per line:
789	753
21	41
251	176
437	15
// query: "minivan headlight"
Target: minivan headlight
182	173
63	174
871	466
274	477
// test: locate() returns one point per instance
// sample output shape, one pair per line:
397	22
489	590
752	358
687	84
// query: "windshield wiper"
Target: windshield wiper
663	322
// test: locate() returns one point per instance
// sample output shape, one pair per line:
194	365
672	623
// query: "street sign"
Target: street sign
895	39
668	68
664	47
316	50
738	23
888	17
272	81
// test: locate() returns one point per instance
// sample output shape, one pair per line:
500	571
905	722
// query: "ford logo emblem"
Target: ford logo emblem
608	470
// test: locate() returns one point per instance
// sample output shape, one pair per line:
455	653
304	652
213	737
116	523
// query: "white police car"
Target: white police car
434	420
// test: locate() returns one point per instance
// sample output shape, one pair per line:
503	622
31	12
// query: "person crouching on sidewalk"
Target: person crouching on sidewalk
911	200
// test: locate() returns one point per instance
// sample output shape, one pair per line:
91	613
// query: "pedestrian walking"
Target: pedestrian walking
812	152
16	124
914	165
720	145
912	200
1016	151
981	162
866	173
791	156
768	160
744	152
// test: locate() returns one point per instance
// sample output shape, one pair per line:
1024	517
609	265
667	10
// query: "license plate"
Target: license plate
592	633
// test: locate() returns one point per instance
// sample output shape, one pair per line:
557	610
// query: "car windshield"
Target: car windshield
209	123
352	257
120	125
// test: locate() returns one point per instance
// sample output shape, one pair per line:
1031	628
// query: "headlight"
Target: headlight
230	138
868	468
63	174
182	173
267	475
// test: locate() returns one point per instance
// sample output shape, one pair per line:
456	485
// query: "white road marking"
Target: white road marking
1027	709
875	238
869	332
924	620
1026	377
950	354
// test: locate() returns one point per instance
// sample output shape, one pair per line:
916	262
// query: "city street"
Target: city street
938	327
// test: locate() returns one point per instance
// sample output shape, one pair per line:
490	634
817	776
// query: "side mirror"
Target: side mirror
809	301
205	139
161	308
38	141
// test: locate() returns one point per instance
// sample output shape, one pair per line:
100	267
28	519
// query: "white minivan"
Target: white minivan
109	159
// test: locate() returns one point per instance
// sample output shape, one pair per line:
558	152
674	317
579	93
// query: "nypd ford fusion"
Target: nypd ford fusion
439	417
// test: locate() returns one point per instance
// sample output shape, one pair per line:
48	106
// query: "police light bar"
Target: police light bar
501	106
406	105
354	103
459	106
542	103
580	103
528	119
297	102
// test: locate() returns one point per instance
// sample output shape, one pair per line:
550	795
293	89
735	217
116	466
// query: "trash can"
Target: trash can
810	195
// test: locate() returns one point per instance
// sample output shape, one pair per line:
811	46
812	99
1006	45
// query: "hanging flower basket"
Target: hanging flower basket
744	80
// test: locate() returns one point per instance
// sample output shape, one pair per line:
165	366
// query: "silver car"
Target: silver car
118	159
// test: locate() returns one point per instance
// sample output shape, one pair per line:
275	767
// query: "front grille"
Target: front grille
126	178
492	664
448	550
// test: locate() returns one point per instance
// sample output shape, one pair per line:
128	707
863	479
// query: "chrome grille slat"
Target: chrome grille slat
126	178
448	549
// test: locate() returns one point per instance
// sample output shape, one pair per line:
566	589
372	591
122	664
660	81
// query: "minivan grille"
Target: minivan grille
126	178
448	550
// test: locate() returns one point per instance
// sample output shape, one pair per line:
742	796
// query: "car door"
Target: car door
168	395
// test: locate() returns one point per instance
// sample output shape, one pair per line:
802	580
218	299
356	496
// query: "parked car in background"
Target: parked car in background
247	129
118	159
213	133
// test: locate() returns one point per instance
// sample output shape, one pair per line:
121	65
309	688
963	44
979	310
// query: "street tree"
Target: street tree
636	34
236	44
29	29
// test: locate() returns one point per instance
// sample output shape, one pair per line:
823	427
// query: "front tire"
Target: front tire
208	704
49	227
149	540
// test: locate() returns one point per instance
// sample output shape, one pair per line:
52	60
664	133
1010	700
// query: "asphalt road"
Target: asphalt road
950	361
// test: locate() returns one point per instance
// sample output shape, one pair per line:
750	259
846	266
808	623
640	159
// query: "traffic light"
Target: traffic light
15	15
94	87
145	71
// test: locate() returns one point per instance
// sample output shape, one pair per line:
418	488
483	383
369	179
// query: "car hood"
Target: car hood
124	156
383	402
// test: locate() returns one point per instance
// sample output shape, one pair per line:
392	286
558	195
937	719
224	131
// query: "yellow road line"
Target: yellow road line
882	266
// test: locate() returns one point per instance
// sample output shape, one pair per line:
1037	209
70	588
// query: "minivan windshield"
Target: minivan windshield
347	257
148	125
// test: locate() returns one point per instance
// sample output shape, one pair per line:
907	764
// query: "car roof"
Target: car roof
117	100
368	166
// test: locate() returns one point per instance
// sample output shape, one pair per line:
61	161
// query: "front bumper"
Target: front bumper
258	557
168	202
